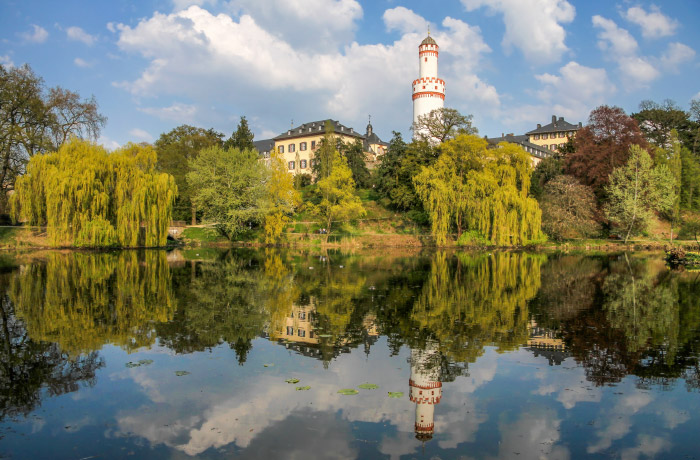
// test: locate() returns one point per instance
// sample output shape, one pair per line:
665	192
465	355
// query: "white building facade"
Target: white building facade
428	89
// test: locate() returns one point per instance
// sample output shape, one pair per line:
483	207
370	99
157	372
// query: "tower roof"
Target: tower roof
428	41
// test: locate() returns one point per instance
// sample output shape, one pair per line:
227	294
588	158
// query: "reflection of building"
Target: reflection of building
426	388
544	342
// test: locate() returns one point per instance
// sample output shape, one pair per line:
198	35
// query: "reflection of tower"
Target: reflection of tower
426	388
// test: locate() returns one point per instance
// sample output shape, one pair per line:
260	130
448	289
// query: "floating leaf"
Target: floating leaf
292	380
303	388
348	391
368	386
181	373
145	362
130	364
396	394
269	365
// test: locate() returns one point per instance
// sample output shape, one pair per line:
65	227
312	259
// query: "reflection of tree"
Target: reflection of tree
28	365
84	300
472	301
222	303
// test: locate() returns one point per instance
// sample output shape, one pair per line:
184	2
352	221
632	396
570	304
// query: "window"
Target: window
544	136
426	60
313	145
301	332
562	134
302	315
290	330
292	147
553	147
423	86
302	146
302	164
561	146
291	165
536	137
311	334
281	148
436	87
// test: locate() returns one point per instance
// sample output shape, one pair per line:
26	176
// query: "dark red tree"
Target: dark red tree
603	145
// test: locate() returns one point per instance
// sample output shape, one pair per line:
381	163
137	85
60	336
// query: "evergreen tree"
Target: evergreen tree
636	190
241	138
323	156
355	156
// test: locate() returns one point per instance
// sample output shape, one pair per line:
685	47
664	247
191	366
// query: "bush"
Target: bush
472	238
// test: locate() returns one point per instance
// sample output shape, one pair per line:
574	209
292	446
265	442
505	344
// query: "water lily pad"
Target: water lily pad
396	394
292	380
269	365
307	387
348	391
368	386
130	364
181	373
145	362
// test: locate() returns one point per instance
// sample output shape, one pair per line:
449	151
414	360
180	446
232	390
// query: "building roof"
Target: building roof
318	127
428	41
374	139
533	149
264	145
555	126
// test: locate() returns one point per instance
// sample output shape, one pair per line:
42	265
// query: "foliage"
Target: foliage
472	187
282	198
323	156
691	229
230	187
636	190
442	124
658	120
398	166
175	150
690	181
546	170
34	120
88	197
338	198
603	145
241	138
355	156
568	209
85	300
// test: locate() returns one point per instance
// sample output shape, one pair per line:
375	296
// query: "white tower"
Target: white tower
426	388
428	89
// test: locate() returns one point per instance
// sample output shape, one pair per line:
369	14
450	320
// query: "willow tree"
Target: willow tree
474	188
283	198
88	197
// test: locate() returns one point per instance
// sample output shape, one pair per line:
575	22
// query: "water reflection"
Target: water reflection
473	329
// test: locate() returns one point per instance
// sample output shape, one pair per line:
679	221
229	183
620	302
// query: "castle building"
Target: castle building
428	89
298	145
425	388
554	135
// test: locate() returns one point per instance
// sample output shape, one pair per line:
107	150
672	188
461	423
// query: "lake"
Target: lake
319	354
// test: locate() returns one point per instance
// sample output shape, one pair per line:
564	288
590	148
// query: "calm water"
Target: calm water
504	355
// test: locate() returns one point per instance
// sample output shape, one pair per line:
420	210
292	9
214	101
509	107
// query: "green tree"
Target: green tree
472	187
241	138
230	187
442	124
546	170
88	197
176	149
337	191
398	166
636	190
355	155
658	120
568	209
690	181
322	162
282	198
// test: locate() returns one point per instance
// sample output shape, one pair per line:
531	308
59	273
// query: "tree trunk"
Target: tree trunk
194	215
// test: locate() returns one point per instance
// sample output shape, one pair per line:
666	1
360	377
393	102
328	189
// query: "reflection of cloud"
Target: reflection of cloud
649	446
457	419
619	419
403	443
533	436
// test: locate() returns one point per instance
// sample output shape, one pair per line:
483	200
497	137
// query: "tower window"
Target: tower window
426	59
423	86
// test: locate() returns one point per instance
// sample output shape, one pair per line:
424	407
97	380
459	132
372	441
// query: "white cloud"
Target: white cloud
619	45
653	24
111	27
37	35
177	112
78	34
6	60
217	60
109	144
676	54
141	135
404	20
82	63
321	25
533	26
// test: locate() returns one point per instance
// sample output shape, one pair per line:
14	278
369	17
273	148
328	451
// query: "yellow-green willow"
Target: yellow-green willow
88	197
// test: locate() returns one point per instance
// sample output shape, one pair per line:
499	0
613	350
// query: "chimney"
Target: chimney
539	125
580	124
554	119
561	118
503	136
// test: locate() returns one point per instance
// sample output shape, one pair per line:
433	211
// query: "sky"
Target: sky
155	64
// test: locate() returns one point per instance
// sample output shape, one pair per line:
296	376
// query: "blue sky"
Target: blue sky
155	64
